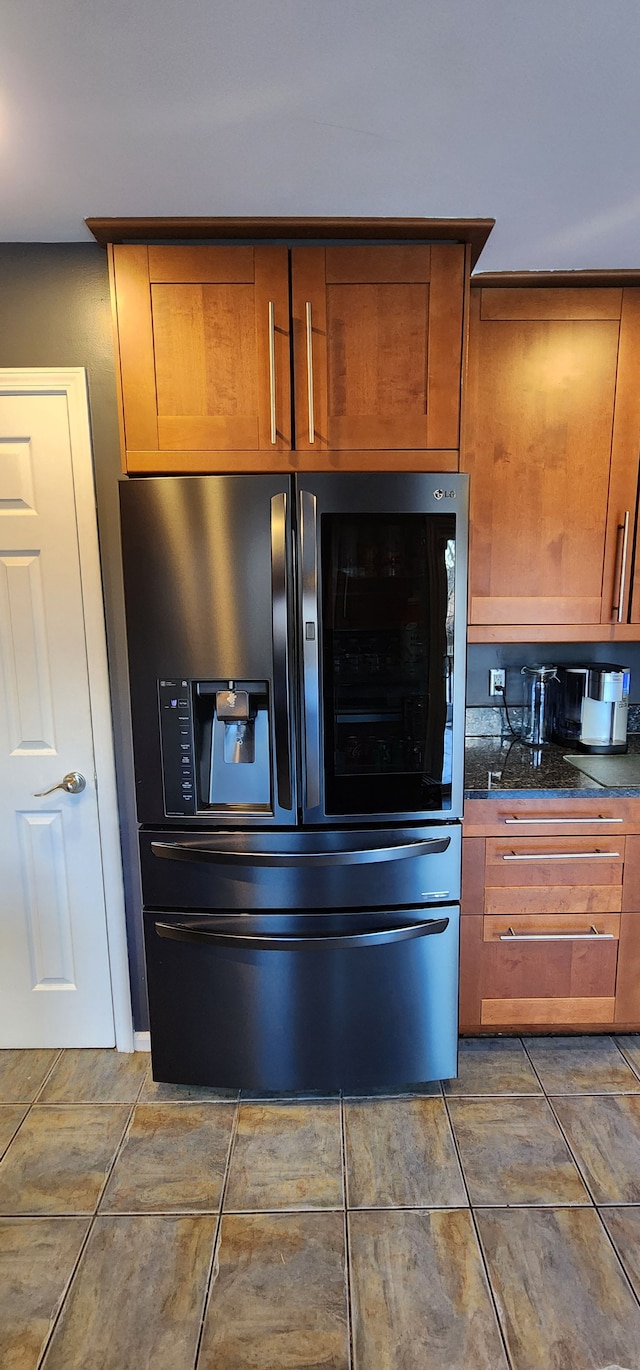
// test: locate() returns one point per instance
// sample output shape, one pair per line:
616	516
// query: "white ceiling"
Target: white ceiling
522	110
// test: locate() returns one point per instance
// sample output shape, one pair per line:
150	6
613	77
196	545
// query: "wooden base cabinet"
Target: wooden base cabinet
241	357
550	928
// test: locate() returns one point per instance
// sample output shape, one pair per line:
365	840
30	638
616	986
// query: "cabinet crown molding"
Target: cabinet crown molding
189	229
543	280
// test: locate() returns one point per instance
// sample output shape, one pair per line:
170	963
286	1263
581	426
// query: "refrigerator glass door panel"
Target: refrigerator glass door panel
341	1010
209	595
383	629
358	869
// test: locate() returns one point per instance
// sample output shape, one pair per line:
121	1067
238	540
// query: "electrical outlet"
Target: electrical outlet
496	682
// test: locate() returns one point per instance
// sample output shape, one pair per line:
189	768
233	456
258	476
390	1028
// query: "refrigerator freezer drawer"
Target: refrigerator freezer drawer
311	1002
372	868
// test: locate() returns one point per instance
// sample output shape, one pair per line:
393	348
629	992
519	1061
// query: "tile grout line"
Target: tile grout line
457	1151
92	1223
31	1102
65	1294
48	1075
12	1138
345	1226
576	1160
625	1059
617	1253
583	1093
492	1294
533	1065
117	1154
215	1249
595	1207
511	1362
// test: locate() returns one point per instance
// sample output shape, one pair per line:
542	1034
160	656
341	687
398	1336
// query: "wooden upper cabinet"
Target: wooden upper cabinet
377	346
551	444
208	343
203	339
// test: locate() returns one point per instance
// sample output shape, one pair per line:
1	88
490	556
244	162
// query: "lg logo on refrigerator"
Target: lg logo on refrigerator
444	494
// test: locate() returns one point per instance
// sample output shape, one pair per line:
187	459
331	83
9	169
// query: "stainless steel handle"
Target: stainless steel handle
592	936
623	528
358	856
280	619
561	855
72	783
310	659
179	932
312	422
272	368
595	818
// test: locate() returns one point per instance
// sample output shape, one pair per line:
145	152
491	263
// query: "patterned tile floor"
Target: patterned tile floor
487	1224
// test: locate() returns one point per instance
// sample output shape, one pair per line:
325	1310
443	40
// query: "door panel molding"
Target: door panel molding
72	383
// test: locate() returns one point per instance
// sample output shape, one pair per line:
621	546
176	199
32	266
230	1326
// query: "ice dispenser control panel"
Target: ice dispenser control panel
176	730
216	755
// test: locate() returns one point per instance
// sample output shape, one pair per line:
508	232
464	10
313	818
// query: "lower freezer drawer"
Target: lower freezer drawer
314	1002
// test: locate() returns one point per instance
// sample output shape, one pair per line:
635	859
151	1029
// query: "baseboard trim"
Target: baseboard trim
142	1041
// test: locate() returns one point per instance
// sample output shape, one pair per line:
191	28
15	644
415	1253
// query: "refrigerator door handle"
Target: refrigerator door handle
358	856
280	618
310	674
180	932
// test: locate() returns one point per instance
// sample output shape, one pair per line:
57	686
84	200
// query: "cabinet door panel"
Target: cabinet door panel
538	447
623	492
201	367
549	970
377	360
470	964
628	982
513	302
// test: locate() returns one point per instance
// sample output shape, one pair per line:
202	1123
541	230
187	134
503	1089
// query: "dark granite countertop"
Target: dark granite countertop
509	768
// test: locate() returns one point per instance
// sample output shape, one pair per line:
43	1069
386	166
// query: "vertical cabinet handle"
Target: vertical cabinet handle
272	369
312	422
618	609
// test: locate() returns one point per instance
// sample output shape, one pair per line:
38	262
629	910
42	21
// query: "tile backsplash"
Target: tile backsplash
491	721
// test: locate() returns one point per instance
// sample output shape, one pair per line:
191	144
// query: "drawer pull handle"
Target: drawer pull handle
562	856
591	936
594	818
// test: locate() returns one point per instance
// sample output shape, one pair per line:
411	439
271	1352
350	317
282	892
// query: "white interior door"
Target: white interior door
55	977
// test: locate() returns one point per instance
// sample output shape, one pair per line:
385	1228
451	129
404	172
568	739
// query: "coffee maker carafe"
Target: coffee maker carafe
535	716
590	705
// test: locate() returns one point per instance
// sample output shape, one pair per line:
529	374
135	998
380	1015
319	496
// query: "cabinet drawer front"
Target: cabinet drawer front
534	861
553	899
517	818
515	1012
547	926
539	969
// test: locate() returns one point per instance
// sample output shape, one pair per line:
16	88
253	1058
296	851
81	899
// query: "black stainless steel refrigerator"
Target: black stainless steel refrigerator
297	653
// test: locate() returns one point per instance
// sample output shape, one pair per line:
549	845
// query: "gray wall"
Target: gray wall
512	656
55	311
526	112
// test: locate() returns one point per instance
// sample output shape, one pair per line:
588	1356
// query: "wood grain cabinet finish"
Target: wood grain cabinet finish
550	932
208	343
551	441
